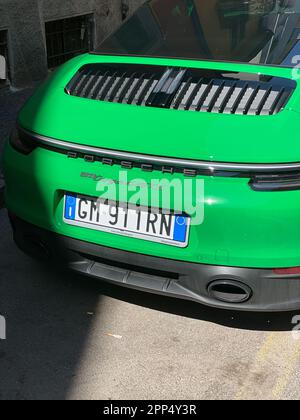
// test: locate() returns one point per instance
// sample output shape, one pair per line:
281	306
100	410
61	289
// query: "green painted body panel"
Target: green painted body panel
241	227
216	137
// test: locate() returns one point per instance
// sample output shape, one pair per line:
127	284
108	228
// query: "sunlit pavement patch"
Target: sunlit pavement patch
272	368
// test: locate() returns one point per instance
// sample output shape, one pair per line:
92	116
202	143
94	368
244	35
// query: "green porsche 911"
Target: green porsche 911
168	159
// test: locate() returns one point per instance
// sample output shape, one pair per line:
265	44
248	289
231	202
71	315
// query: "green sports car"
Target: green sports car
168	160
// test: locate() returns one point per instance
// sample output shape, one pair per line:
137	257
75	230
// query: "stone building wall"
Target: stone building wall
25	20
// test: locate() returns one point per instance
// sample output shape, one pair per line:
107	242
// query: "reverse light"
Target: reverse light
22	142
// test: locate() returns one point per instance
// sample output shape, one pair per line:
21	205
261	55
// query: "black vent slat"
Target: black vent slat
106	82
126	87
263	101
204	95
70	89
92	83
99	85
136	88
175	84
251	100
282	101
117	87
239	98
227	97
178	88
154	98
88	80
145	90
182	93
193	95
108	86
279	101
80	86
97	81
215	97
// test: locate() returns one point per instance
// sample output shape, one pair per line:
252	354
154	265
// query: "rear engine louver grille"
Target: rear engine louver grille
183	89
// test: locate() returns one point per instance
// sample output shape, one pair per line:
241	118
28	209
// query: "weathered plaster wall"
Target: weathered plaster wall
24	20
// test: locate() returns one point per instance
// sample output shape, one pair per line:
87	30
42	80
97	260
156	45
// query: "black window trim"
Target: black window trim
207	60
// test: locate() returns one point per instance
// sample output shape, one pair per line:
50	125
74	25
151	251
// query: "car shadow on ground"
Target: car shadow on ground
49	323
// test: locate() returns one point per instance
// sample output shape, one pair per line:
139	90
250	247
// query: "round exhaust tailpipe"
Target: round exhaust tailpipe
229	291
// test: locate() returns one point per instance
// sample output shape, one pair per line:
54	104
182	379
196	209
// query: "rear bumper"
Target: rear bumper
267	292
241	227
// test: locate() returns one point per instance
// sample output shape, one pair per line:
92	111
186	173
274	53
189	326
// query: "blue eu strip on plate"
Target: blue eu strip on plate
70	207
180	229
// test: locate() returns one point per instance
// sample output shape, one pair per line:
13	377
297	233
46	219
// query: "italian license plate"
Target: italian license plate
90	213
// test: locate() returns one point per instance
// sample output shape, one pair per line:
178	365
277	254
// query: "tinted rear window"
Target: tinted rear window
247	31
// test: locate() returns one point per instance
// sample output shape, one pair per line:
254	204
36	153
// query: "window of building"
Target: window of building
4	52
67	38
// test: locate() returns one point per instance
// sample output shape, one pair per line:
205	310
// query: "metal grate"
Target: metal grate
67	38
180	89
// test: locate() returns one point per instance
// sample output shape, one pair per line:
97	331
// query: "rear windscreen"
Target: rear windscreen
246	31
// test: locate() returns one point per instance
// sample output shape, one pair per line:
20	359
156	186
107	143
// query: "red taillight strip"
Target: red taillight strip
286	271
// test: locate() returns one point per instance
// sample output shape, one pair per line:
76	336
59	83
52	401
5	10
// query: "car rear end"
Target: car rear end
175	176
